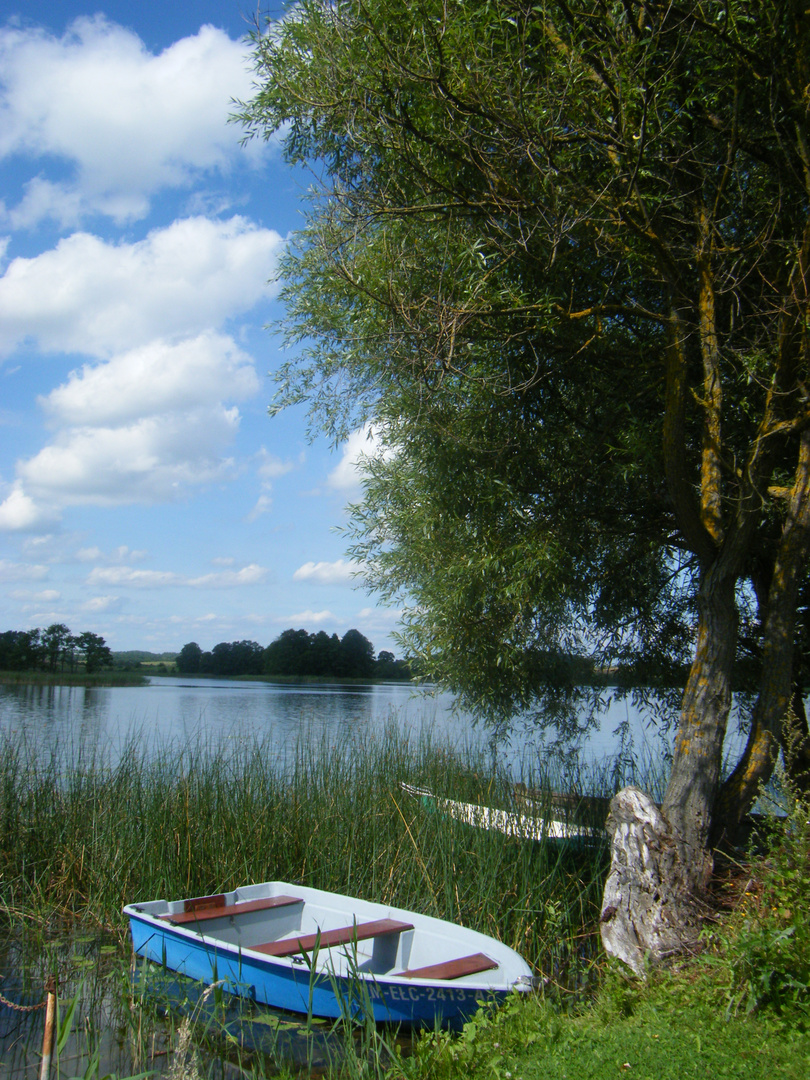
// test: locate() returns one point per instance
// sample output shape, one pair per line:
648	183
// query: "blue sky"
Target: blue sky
145	494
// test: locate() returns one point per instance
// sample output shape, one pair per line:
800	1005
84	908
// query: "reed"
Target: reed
81	837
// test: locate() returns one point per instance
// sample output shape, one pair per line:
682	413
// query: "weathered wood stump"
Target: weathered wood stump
651	908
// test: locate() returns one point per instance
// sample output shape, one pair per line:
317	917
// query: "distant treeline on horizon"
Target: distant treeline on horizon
295	653
53	649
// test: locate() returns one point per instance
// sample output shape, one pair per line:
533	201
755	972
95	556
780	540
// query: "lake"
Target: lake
183	711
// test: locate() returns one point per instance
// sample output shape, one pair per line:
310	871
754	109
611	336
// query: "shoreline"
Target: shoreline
77	678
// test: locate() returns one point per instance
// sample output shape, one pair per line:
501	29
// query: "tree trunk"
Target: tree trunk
692	789
660	860
776	685
649	909
798	750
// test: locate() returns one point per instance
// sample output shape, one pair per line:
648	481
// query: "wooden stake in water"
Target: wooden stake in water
47	1038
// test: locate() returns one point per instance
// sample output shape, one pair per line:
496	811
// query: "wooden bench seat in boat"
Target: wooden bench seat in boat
328	939
214	907
452	969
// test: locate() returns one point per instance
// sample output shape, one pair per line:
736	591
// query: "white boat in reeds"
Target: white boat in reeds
329	955
511	823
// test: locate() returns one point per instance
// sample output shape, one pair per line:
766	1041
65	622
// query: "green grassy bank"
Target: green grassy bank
79	838
76	678
676	1028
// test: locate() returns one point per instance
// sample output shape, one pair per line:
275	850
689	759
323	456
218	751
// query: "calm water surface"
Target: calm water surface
182	712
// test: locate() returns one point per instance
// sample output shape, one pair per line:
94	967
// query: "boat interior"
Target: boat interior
364	938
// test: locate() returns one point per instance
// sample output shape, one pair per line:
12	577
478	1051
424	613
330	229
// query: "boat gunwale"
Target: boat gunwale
505	955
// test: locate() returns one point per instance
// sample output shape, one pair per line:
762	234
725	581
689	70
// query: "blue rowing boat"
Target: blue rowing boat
329	955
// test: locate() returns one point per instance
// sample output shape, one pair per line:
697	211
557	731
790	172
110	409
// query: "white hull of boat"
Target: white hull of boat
520	826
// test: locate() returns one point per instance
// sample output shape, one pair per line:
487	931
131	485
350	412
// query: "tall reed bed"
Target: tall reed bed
83	837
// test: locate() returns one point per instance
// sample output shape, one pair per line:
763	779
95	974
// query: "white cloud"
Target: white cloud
198	620
10	571
342	572
45	545
154	379
50	616
155	459
271	467
20	513
103	604
306	618
123	553
126	122
348	473
63	202
144	427
228	579
157	579
46	596
139	579
263	504
391	615
93	297
91	554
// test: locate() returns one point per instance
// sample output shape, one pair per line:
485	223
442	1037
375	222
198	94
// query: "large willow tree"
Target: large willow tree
560	255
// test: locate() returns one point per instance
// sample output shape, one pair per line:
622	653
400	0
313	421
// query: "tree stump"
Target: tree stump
651	908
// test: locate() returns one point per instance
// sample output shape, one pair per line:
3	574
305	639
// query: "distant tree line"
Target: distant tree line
227	658
53	649
295	652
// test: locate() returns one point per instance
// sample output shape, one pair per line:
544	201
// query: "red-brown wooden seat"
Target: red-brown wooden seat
214	907
327	939
452	969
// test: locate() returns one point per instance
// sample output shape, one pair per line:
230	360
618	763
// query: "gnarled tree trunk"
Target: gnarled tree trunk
692	788
660	859
650	910
776	684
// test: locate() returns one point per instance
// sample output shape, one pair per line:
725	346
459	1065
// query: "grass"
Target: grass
74	678
739	1009
670	1030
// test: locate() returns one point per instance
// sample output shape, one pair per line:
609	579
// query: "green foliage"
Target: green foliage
551	255
188	659
294	653
95	653
670	1034
133	657
232	658
66	1016
765	946
53	649
297	653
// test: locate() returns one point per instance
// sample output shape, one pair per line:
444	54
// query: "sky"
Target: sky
145	493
